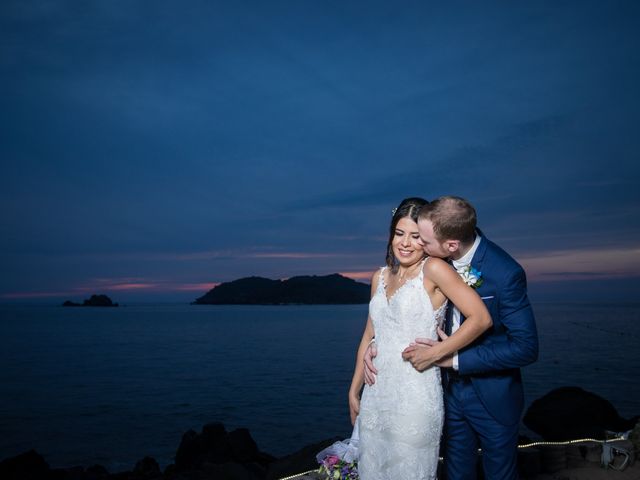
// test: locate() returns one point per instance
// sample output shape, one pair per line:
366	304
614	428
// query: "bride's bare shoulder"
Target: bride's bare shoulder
437	270
434	265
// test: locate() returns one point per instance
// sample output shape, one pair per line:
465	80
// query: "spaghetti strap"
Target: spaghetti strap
381	281
421	274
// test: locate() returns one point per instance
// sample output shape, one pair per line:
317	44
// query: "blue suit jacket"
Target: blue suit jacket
493	360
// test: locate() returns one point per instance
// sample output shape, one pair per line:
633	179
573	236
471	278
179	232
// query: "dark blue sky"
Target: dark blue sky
151	149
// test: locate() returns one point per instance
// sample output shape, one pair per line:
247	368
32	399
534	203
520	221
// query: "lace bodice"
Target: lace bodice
406	312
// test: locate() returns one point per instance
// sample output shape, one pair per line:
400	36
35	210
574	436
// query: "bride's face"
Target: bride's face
406	243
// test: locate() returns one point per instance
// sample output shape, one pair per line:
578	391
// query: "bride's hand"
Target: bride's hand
354	407
370	371
443	336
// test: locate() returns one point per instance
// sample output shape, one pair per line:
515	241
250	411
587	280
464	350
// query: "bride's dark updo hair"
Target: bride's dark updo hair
409	207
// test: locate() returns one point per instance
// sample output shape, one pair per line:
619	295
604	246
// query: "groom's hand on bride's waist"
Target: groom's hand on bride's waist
370	370
420	355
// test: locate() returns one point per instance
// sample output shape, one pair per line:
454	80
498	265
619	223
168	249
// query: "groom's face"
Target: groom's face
431	245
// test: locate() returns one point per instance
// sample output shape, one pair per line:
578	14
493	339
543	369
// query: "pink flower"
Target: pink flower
331	460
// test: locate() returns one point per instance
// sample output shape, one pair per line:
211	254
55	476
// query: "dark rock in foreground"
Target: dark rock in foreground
308	290
221	454
567	413
570	413
94	301
147	468
26	466
217	454
212	454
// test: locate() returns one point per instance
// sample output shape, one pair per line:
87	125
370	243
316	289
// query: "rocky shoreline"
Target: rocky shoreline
217	454
213	453
564	414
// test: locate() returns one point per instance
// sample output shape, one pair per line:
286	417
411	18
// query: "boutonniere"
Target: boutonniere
471	276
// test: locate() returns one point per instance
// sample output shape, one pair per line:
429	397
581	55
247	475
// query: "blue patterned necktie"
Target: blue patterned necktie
448	319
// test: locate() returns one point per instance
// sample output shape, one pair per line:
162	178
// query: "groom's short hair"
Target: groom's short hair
453	218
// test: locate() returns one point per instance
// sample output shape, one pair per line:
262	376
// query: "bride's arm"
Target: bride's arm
358	374
477	318
357	381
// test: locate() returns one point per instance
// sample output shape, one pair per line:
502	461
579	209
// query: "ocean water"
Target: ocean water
109	386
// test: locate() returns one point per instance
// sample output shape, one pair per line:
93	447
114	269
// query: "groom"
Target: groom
482	383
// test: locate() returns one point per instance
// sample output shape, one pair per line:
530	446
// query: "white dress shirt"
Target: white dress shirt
460	265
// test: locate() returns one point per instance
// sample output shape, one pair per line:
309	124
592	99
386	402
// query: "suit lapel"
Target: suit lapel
478	256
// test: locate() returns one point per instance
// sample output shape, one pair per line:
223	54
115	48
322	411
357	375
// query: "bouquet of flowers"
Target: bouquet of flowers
340	460
335	468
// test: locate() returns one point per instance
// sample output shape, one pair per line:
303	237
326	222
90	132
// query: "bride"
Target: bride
400	416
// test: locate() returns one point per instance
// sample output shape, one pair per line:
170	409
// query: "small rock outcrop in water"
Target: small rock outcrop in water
94	301
309	290
570	413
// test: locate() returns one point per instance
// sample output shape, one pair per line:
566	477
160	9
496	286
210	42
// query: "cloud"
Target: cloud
464	169
567	275
113	286
359	276
572	264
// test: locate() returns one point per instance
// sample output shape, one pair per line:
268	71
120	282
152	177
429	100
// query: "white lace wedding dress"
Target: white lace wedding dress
401	415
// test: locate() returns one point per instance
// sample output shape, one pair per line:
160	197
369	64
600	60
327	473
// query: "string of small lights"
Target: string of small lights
298	475
570	442
520	447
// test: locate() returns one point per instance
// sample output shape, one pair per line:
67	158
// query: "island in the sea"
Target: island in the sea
94	301
332	289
